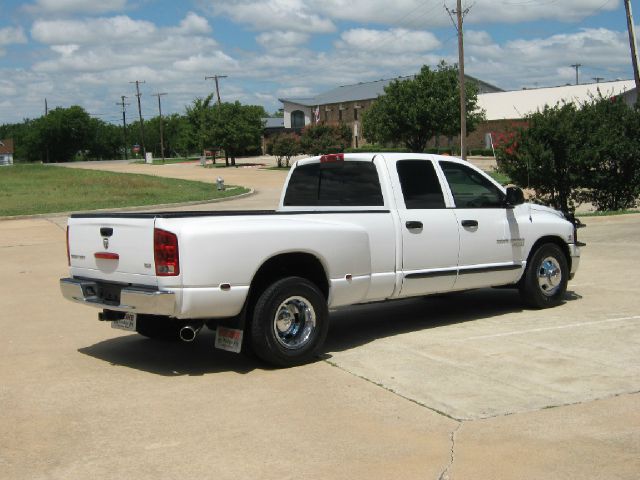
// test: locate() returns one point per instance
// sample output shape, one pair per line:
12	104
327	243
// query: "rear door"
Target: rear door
429	230
112	249
491	246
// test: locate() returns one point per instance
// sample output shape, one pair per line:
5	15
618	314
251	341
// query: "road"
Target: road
463	386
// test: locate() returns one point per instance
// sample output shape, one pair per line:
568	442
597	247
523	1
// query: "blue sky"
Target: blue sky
83	52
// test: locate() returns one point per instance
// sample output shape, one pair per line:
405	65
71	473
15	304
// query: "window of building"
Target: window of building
470	189
339	184
297	119
420	185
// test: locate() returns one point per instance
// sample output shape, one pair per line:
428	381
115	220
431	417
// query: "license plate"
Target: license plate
228	339
127	323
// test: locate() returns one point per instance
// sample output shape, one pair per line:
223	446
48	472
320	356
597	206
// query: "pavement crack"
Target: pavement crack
452	454
391	390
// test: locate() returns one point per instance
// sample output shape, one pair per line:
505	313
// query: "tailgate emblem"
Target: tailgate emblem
105	242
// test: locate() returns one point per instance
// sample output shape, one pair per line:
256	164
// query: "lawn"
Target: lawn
32	189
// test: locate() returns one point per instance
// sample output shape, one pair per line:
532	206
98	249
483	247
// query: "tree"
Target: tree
283	147
236	128
322	138
609	152
570	154
412	111
199	116
543	155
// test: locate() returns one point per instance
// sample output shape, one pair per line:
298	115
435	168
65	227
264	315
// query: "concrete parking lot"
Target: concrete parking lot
462	386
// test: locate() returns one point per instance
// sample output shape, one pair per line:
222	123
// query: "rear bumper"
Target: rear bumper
574	252
132	299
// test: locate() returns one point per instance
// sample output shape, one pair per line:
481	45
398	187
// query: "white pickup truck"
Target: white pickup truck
349	229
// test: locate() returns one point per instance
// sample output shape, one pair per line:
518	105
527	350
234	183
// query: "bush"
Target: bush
321	138
482	152
284	146
572	154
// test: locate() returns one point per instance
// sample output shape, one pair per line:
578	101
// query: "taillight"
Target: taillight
165	249
68	254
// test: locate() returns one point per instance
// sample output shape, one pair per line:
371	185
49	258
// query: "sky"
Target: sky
87	52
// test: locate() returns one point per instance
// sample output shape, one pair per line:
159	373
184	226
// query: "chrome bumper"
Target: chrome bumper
132	299
574	252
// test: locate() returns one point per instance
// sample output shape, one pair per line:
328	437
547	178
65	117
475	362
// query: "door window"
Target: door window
470	189
420	185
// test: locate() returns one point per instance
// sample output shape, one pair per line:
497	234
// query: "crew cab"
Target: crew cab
349	229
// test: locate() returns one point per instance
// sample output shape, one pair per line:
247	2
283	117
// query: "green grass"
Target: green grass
33	189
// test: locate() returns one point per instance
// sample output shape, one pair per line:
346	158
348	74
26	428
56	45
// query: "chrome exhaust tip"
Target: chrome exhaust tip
188	333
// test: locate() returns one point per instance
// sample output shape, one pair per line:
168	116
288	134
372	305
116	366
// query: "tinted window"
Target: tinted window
420	185
470	189
340	184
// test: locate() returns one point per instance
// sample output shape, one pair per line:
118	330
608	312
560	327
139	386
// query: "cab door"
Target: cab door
429	231
491	246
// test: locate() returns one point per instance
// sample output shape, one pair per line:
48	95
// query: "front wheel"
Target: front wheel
544	283
289	323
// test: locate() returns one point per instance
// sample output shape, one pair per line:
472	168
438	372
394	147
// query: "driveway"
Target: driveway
464	386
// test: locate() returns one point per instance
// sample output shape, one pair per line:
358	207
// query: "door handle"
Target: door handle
469	223
412	224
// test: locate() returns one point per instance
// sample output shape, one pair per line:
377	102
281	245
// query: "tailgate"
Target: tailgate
113	249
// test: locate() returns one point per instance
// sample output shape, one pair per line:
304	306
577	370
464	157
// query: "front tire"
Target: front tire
289	323
544	283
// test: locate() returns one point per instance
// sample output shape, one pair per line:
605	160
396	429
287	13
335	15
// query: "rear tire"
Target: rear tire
544	283
289	323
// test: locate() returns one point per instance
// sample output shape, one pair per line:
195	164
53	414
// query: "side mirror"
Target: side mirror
515	196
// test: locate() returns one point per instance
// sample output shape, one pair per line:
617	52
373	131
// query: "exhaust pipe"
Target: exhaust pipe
188	333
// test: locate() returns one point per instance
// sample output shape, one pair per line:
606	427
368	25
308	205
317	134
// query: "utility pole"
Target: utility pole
577	66
632	44
461	79
138	94
46	112
124	124
160	110
597	79
216	77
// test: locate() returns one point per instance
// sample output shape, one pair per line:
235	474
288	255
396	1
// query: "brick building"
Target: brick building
503	109
6	152
345	104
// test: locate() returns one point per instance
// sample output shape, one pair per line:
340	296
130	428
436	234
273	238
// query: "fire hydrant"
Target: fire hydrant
220	183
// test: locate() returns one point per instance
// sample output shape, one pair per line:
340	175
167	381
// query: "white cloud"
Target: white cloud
77	6
396	40
282	39
203	63
193	24
12	35
92	31
273	15
546	61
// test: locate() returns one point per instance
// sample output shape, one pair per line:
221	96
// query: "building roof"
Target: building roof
6	146
520	103
363	91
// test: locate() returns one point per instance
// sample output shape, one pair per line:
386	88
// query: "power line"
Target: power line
124	124
459	13
138	94
159	95
577	67
216	77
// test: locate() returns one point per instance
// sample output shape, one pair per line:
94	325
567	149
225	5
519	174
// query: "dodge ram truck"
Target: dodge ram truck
349	229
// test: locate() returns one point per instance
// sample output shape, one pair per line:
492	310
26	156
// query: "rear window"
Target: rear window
334	184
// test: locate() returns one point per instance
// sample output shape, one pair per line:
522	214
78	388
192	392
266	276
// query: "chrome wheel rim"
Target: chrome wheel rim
294	323
549	276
